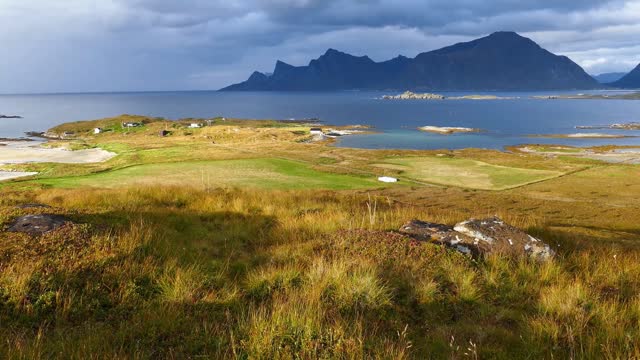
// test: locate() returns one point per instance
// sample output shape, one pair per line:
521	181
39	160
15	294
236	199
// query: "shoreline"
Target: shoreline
29	151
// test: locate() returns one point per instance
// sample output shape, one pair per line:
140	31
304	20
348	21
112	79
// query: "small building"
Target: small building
131	124
196	125
387	179
68	134
97	131
316	131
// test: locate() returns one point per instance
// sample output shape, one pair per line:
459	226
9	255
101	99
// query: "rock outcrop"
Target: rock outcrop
38	224
480	237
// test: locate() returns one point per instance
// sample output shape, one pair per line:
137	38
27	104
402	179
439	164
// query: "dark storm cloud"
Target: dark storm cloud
169	44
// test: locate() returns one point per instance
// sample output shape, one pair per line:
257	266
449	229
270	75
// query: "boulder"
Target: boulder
480	237
423	230
443	235
37	224
504	238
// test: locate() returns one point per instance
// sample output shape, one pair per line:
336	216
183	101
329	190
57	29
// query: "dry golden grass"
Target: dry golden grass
180	272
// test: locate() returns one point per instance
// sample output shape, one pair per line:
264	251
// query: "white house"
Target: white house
131	124
196	125
97	131
316	131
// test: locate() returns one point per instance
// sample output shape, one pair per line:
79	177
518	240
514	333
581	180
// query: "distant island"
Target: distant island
629	96
626	126
447	130
10	117
409	95
500	61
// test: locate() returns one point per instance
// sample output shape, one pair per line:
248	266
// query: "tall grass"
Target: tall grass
184	273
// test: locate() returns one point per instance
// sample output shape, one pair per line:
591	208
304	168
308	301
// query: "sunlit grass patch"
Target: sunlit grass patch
256	173
465	172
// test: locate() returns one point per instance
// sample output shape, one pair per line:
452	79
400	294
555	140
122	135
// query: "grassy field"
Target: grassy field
242	241
466	173
251	173
176	272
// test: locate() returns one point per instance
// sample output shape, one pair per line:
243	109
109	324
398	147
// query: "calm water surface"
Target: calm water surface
507	122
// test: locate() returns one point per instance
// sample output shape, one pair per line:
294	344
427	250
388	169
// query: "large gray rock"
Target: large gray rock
37	224
480	237
443	235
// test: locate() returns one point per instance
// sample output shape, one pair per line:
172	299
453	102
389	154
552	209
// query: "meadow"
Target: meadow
165	261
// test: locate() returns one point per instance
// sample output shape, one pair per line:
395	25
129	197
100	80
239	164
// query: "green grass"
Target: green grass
466	173
175	272
253	173
557	149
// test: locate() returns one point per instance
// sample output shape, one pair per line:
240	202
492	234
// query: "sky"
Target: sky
138	45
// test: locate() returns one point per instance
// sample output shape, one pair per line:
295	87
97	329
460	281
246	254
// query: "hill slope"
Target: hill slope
629	81
607	78
500	61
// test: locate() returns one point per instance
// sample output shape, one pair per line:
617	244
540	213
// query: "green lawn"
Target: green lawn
257	173
466	173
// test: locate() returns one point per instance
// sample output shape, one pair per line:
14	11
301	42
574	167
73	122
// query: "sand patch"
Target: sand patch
7	175
21	153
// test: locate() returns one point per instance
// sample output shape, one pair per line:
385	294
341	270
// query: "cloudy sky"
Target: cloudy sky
120	45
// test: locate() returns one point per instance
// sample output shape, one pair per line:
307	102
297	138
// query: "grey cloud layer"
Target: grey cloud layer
80	45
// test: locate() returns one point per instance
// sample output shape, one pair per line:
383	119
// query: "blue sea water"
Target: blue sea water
506	122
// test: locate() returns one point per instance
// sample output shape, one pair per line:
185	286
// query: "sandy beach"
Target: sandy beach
21	152
33	152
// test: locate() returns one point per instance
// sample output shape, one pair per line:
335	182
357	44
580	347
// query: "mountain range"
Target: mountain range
500	61
608	78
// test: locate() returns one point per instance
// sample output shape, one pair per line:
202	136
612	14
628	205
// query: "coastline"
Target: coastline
27	151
